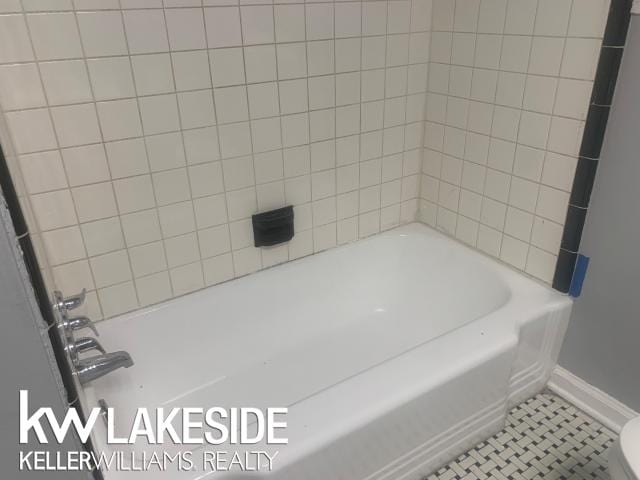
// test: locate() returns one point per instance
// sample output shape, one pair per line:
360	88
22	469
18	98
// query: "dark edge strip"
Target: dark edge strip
606	75
615	33
613	41
594	130
583	181
42	297
573	228
564	271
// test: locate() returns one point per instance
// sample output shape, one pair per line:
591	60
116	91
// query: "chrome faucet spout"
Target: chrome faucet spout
95	367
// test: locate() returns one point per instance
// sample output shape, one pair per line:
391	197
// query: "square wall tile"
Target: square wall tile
14	38
76	125
73	277
177	219
111	78
186	28
102	33
231	104
127	158
260	63
135	193
119	119
102	236
218	269
55	35
319	21
227	66
118	299
196	108
159	114
146	31
187	278
20	87
153	288
141	227
43	172
210	211
257	24
181	250
165	152
191	70
171	186
552	17
201	145
223	26
63	245
87	164
289	23
93	202
32	130
66	82
153	74
235	140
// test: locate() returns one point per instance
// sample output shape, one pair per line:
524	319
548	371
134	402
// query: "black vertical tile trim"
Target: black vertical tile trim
11	197
583	182
564	271
601	97
615	33
573	226
606	75
594	130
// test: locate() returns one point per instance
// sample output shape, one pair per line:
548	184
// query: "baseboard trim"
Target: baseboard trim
593	401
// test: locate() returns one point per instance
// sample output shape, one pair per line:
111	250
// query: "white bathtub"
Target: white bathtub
394	354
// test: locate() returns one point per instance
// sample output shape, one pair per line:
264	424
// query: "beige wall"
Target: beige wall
148	137
509	87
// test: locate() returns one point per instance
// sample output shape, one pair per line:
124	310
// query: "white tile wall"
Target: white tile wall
508	91
148	133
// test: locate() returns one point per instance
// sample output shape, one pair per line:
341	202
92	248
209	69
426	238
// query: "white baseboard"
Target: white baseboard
596	403
635	7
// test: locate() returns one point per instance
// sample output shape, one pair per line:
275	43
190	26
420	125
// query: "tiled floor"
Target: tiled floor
546	438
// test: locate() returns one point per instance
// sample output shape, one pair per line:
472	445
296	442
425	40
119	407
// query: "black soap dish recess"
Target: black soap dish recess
273	227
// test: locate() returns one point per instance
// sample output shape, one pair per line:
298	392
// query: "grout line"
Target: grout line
276	82
113	192
506	215
57	140
224	188
403	179
250	125
184	150
146	150
546	150
466	129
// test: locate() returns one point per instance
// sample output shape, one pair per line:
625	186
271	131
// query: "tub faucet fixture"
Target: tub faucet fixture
95	367
63	304
76	323
87	369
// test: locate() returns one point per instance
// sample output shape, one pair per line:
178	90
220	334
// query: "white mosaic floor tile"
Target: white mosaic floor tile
545	438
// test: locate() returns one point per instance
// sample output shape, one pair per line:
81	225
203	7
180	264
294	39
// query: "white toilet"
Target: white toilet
624	455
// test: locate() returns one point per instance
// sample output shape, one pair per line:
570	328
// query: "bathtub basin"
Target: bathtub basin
393	354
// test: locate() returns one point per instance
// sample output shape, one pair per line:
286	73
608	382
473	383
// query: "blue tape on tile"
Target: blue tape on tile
579	273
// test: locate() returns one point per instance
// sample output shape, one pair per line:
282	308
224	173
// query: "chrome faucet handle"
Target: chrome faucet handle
64	304
77	323
84	344
95	367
